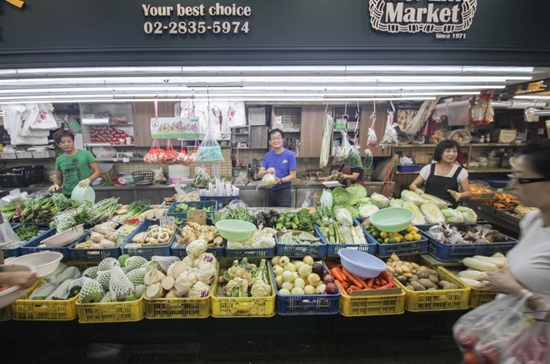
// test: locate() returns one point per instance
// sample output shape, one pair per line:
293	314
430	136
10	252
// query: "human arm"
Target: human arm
58	181
291	177
263	171
418	181
465	192
96	172
352	177
24	279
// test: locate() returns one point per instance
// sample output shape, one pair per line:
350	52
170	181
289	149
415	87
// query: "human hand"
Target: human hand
271	170
23	279
277	181
84	183
456	195
53	188
419	191
502	281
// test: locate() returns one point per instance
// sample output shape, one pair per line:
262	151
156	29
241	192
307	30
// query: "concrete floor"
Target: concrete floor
440	350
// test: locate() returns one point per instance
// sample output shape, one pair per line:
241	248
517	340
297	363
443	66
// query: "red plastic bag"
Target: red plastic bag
152	155
170	155
183	157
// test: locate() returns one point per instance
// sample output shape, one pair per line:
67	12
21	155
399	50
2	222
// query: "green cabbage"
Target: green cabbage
267	180
410	196
418	216
470	217
340	196
379	200
367	210
356	193
365	201
436	200
352	210
342	215
453	216
396	202
432	213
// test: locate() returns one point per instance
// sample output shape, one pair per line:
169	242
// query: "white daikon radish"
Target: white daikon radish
479	264
471	282
472	274
167	283
499	262
150	214
160	213
498	255
484	284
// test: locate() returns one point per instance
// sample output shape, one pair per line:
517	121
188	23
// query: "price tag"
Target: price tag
126	159
167	220
198	216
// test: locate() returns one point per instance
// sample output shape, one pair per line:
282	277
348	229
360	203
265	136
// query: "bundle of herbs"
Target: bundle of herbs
136	208
240	213
9	209
266	219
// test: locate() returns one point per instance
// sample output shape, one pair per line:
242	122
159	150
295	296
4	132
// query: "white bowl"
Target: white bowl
44	262
11	294
361	264
66	237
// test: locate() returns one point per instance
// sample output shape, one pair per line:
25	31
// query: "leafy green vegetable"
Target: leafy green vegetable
432	213
356	193
340	196
470	217
27	232
379	200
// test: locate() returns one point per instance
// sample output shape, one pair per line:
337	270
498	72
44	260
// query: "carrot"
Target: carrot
377	282
4	287
354	280
340	286
338	274
370	282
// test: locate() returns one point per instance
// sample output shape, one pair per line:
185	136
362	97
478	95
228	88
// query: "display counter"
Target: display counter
502	220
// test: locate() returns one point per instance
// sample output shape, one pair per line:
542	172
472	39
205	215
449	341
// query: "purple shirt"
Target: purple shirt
283	164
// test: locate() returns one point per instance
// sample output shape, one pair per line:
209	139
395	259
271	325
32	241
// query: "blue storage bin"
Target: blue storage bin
409	168
250	253
317	304
146	252
301	250
91	255
332	249
221	200
31	246
15	252
199	205
407	248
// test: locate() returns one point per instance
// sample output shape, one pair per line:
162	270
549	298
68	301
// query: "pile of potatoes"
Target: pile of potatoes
416	277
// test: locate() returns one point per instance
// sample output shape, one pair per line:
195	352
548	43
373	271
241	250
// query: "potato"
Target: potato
410	287
402	279
427	283
413	278
450	286
434	278
423	273
417	286
442	284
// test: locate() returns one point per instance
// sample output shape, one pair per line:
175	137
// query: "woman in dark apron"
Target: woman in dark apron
352	175
444	178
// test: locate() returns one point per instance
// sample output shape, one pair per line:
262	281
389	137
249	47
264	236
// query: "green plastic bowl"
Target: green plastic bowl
392	219
235	230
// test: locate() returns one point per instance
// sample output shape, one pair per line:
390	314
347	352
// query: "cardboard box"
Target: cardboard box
504	135
256	116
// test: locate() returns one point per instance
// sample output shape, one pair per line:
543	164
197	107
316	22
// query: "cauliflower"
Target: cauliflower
189	262
185	281
206	273
205	257
237	270
199	290
196	248
243	283
260	289
260	273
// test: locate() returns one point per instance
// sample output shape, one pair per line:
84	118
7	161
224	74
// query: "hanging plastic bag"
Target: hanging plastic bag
354	158
202	178
195	155
372	139
325	141
152	155
342	153
531	346
7	235
367	161
210	150
390	135
170	155
308	201
487	331
183	157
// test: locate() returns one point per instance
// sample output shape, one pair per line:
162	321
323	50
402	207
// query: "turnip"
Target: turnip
304	271
309	289
287	285
284	292
314	279
299	282
287	276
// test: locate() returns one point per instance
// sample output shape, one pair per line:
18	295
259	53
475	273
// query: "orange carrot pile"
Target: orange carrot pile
348	282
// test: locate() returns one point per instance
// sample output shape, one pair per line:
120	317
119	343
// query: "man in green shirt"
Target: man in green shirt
74	166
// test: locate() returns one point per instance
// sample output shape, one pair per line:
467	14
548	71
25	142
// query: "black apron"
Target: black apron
438	185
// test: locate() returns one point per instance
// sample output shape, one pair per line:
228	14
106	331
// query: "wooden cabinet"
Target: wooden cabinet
143	112
313	118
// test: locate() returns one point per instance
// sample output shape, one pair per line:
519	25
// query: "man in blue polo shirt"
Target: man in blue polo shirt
282	164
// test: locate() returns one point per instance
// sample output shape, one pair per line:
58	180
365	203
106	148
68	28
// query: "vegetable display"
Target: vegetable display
475	275
417	277
103	236
183	207
348	282
301	238
155	235
478	234
193	231
336	233
260	239
383	237
302	277
243	279
300	220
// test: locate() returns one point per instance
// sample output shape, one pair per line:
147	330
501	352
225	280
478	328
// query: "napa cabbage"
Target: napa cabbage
418	216
432	213
410	196
470	217
453	216
436	200
379	200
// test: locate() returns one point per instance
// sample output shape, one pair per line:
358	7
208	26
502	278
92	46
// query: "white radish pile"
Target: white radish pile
475	275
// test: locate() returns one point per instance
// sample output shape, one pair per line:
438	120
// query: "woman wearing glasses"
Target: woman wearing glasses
282	164
444	177
528	269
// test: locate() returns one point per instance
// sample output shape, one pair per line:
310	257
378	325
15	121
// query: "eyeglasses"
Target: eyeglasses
523	181
275	139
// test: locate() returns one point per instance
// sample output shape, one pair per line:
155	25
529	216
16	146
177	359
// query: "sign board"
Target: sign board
167	220
198	216
175	128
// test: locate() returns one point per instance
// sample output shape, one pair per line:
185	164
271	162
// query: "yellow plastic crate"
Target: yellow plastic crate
168	308
479	297
82	266
440	300
6	313
230	307
375	305
108	312
43	310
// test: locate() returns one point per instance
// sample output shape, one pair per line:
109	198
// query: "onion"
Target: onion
287	285
275	260
318	269
284	261
299	282
297	291
328	278
308	260
278	270
309	289
284	292
314	279
332	288
290	267
279	281
320	289
305	270
287	276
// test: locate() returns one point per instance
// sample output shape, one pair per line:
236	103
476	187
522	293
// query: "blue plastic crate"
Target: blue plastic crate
250	253
91	255
15	252
318	304
332	249
146	252
222	200
407	248
456	252
197	204
301	250
31	246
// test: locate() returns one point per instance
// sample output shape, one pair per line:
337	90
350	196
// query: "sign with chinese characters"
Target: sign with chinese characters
447	19
175	128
